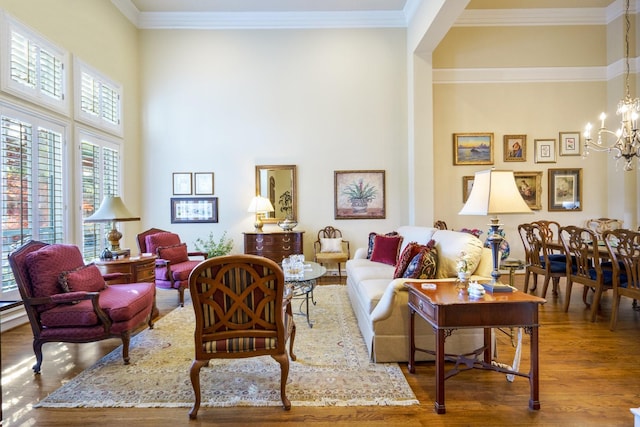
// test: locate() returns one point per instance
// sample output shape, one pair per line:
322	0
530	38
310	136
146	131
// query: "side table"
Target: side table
303	287
139	268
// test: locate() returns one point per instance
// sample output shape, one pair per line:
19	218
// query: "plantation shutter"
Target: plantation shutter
100	103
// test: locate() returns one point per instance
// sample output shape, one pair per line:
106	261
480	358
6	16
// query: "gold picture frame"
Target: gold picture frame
467	185
515	148
570	143
473	148
359	194
545	150
530	187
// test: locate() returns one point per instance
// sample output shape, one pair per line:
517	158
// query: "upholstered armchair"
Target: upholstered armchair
174	264
242	309
68	301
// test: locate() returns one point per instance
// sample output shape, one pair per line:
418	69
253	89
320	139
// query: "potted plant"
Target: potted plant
360	194
213	247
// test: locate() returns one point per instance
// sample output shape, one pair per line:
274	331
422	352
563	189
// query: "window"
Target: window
100	160
32	202
34	68
98	100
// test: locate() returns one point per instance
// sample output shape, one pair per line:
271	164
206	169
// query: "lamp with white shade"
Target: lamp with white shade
259	206
495	192
112	209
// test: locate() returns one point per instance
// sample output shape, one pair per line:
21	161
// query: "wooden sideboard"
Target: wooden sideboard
274	245
140	268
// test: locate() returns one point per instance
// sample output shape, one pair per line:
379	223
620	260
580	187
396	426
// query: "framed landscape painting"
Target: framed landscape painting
359	194
565	189
530	187
473	148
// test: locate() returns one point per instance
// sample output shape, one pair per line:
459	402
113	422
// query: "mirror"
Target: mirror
278	184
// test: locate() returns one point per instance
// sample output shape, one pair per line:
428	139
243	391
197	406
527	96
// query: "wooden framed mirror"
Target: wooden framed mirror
278	184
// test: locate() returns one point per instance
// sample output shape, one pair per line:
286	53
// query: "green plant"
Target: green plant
360	191
213	247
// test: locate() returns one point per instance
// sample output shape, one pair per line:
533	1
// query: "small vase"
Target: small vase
464	275
359	205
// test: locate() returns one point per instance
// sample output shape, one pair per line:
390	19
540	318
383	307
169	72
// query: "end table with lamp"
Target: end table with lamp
112	209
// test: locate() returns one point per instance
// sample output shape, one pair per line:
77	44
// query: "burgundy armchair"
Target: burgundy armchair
68	301
173	265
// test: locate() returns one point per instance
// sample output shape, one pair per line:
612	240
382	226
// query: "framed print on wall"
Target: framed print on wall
530	187
569	143
359	194
181	184
565	189
473	148
203	182
515	148
467	185
194	209
545	150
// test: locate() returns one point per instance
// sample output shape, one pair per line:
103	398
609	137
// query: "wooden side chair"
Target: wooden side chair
242	309
600	225
538	260
440	225
174	262
581	244
624	250
331	248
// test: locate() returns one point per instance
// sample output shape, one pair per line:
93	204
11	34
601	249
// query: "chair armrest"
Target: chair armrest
73	297
348	248
162	262
202	254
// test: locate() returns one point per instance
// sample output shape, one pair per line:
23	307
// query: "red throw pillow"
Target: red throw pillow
385	249
372	237
86	278
157	240
174	253
406	256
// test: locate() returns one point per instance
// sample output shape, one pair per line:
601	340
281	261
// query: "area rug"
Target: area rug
332	369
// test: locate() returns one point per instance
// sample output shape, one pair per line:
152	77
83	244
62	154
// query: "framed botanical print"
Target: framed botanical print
473	148
359	194
565	189
182	184
530	187
545	150
203	182
569	143
515	148
194	209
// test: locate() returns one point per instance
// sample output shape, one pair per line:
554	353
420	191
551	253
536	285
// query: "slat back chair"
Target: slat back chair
582	245
241	310
537	259
624	250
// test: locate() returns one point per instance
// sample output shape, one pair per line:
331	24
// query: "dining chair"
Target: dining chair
537	259
600	225
624	251
586	266
550	233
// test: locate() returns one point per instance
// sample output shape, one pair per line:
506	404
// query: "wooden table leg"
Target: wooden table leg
439	405
534	402
487	345
412	341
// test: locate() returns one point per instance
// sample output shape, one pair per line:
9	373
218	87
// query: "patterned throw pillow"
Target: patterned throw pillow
424	265
385	249
86	278
372	236
406	256
174	253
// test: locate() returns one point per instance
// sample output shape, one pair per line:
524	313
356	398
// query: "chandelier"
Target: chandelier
627	140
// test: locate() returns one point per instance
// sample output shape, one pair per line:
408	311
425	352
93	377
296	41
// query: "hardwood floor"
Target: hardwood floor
588	377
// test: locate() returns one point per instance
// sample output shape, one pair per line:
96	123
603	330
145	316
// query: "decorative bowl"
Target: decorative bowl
287	224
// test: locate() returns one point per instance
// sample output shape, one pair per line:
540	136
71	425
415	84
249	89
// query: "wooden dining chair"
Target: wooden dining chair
600	225
550	233
538	261
624	251
586	266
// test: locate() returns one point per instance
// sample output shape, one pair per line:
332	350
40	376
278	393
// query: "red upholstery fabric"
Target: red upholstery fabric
180	272
406	256
86	278
424	265
157	240
174	254
45	266
385	249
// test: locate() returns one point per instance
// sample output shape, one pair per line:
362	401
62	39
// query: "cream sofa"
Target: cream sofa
380	302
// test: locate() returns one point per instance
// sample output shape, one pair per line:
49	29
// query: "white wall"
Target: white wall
225	101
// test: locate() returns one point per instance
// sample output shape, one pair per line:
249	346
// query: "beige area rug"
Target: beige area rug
332	369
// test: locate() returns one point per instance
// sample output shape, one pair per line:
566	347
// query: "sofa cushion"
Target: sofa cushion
449	245
174	253
372	237
413	233
154	241
386	249
87	278
360	270
424	265
331	245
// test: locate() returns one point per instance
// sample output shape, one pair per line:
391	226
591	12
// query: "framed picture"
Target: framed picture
565	189
203	183
359	194
194	209
181	184
472	148
515	148
467	185
530	187
569	143
545	150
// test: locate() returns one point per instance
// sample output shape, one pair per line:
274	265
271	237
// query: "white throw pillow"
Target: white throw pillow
331	245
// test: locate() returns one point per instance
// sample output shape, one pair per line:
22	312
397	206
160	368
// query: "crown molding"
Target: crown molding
531	17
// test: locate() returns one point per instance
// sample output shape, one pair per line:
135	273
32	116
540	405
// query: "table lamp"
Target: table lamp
112	210
495	192
259	206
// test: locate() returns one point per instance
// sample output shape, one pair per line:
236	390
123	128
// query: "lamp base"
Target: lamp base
113	237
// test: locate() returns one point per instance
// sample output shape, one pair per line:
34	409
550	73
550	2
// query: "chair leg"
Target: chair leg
568	295
181	296
283	360
126	338
292	339
195	383
596	303
545	286
614	311
527	274
37	349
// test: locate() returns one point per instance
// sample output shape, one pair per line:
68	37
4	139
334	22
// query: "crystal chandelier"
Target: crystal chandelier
627	139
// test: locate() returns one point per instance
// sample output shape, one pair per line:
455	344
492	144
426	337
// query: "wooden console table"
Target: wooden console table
446	310
274	245
139	268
